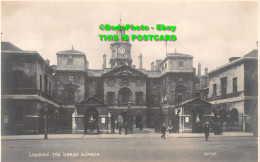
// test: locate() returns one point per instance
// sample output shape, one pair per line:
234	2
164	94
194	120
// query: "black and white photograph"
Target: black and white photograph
124	81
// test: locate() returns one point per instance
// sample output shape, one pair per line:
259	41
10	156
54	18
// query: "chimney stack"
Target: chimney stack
206	71
141	61
157	66
152	66
86	64
104	61
199	69
48	61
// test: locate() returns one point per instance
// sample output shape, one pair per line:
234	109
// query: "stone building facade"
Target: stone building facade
233	91
83	100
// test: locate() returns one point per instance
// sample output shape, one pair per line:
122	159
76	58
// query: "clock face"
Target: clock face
121	50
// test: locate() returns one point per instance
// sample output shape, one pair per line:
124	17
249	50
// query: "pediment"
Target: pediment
92	101
124	71
195	101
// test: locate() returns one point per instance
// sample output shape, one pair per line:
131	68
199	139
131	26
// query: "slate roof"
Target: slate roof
71	52
249	56
253	53
7	46
153	74
178	55
175	55
94	72
193	100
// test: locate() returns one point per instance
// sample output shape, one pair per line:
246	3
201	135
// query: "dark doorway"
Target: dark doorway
127	117
234	121
197	120
138	121
159	120
91	125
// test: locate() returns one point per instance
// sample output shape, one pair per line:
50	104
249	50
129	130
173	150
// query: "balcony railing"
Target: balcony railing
229	95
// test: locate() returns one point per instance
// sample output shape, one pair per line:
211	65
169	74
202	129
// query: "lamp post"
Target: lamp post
127	114
56	122
159	119
38	112
45	129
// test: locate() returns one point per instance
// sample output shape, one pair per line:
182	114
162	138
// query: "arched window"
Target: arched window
124	96
234	121
70	93
180	94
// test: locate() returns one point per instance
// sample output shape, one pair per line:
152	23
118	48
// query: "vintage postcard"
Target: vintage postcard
129	81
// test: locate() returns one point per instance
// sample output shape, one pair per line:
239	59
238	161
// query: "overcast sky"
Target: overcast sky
210	31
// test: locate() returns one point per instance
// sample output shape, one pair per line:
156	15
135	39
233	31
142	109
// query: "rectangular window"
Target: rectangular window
179	98
71	96
197	81
138	98
187	119
180	63
18	79
70	61
234	85
45	83
111	82
223	86
110	97
70	78
50	88
180	79
41	83
103	120
139	82
214	90
197	94
94	84
165	65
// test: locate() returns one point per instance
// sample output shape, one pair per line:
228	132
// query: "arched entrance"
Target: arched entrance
234	121
91	125
223	120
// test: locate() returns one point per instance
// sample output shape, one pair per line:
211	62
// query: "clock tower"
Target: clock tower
121	51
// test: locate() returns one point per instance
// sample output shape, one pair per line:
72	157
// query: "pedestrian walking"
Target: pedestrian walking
113	127
163	129
126	128
170	127
120	127
206	130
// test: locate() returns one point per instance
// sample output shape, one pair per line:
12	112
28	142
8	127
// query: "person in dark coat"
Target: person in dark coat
126	128
113	127
170	127
163	129
206	130
120	127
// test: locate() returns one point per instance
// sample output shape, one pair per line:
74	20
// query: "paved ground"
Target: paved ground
135	147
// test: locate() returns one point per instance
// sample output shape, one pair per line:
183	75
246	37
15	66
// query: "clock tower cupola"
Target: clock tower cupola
121	51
